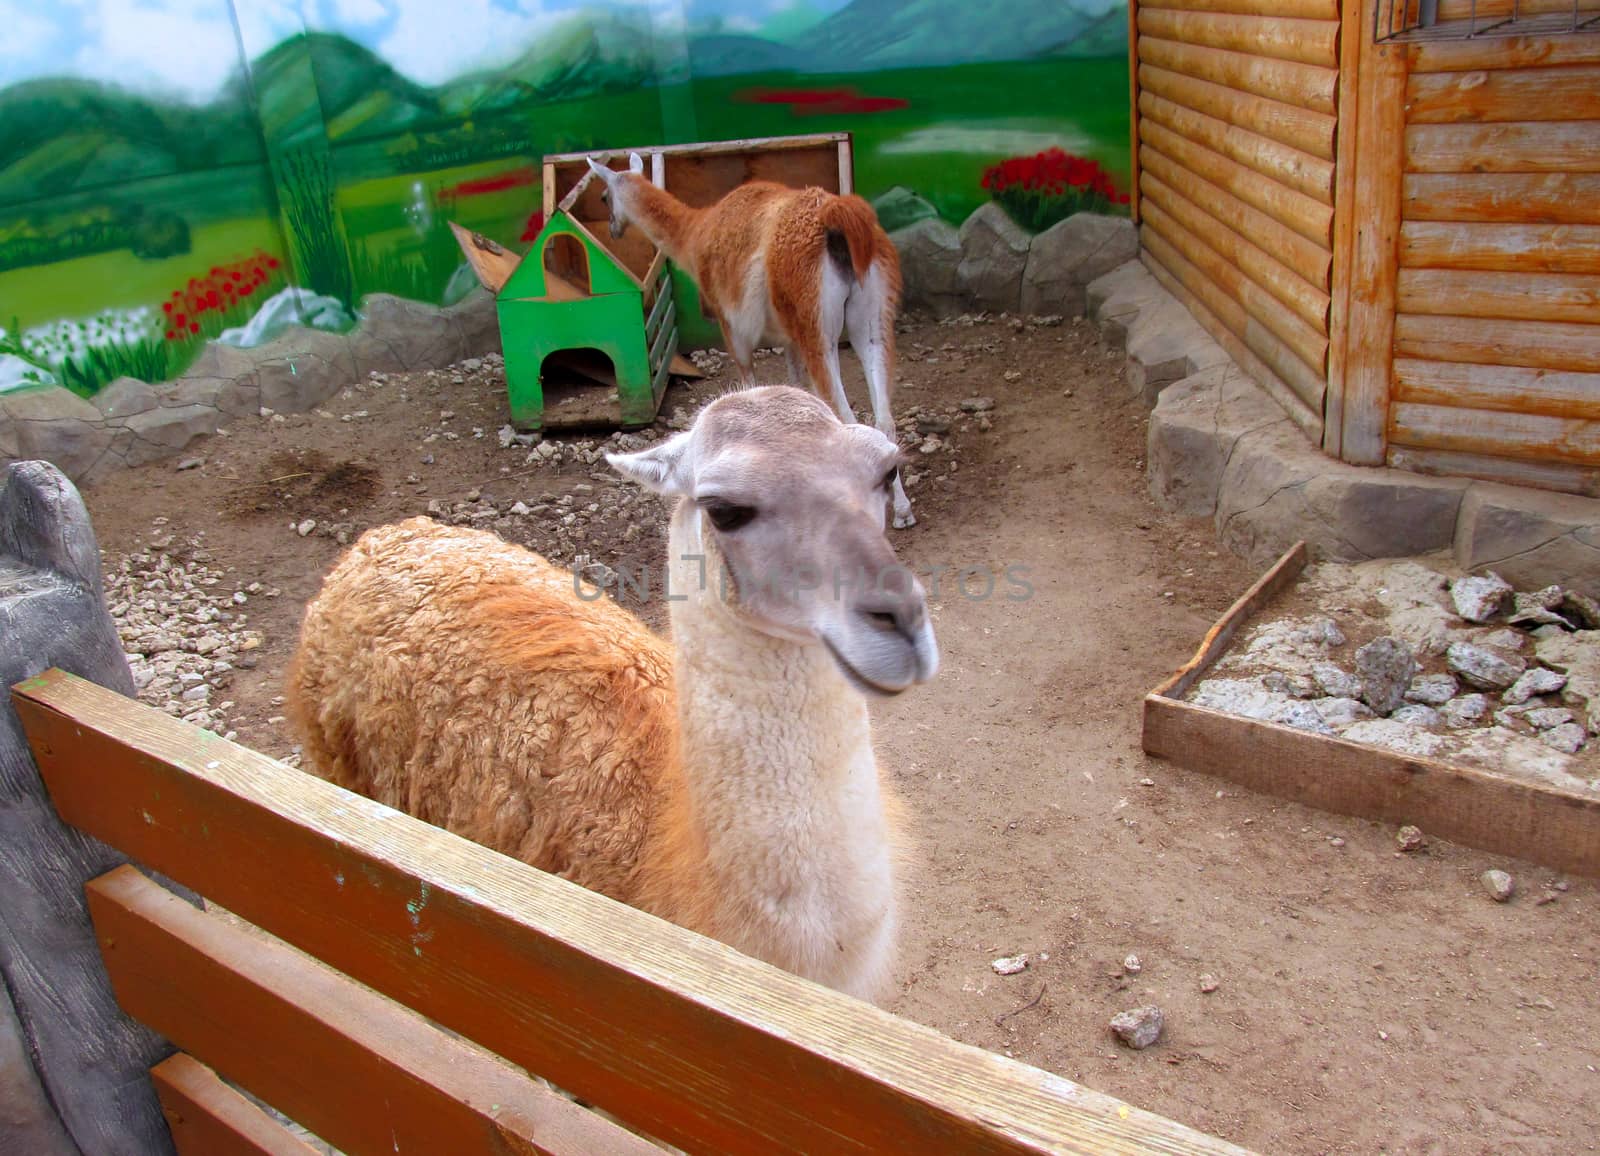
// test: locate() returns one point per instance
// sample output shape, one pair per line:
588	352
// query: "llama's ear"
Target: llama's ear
607	175
662	468
635	163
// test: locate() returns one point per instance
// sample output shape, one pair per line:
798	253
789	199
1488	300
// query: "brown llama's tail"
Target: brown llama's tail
852	218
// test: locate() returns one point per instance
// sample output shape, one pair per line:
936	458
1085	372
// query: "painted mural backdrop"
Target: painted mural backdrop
177	171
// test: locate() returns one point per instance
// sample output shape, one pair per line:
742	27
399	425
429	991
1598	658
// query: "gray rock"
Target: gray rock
1208	983
1479	599
1499	885
304	368
1567	738
1415	714
1138	1027
1543	718
1581	609
1118	297
1481	667
1338	712
1466	711
1336	683
994	253
162	433
930	260
1302	716
55	425
1067	256
1396	736
125	397
1196	425
1535	680
1538	608
1433	689
419	335
1165	344
900	207
1385	667
1531	537
1410	839
1324	632
977	404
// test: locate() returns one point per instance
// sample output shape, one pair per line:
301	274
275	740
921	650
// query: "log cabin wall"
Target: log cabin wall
1236	117
1496	369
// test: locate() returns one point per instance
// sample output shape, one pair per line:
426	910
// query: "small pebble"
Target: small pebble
305	527
1132	964
1410	838
1499	885
1208	983
1336	841
1138	1027
1010	964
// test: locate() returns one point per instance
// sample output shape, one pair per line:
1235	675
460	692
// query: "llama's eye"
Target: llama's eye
728	517
890	477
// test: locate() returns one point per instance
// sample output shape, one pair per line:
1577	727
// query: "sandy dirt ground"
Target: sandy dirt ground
1366	1001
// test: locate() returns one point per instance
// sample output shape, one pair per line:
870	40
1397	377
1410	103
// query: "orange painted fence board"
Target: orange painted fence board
680	1036
208	1118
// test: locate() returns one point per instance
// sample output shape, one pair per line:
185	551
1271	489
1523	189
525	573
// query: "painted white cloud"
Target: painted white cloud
27	34
348	14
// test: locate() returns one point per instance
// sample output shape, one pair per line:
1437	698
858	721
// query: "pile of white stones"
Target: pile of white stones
184	627
1468	669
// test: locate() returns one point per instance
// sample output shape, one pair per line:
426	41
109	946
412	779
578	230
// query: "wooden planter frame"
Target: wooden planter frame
1542	824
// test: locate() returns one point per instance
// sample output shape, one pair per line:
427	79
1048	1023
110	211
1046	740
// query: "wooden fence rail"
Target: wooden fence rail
679	1036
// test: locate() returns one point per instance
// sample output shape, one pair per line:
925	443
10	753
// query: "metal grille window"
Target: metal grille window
1466	19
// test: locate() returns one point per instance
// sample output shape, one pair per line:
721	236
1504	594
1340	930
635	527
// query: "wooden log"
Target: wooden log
1296	9
1214	645
1352	38
1500	248
1300	362
714	148
1309	260
1547	147
1300	128
1302	85
1224	319
288	1029
1300	171
1306	216
1304	41
1528	296
1134	127
1526	436
1503	52
1287	288
89	1058
1539	344
1514	198
1502	388
1563	477
1369	330
678	1035
1548	826
208	1118
1489	11
1520	94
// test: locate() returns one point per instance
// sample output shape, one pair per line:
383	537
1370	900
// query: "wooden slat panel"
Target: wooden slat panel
1295	351
1540	344
1305	215
1563	477
1554	198
1549	147
1505	388
1234	329
1503	52
1489	10
1307	330
1528	436
1524	94
1134	125
1305	41
288	1029
1375	228
1303	85
1500	248
1353	38
1528	296
1310	132
1479	808
208	1118
1299	9
681	1036
1301	171
1308	259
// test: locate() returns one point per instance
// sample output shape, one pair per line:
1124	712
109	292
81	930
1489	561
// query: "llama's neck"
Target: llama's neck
667	221
782	787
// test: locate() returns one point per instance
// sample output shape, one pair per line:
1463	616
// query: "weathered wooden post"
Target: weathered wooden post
73	1069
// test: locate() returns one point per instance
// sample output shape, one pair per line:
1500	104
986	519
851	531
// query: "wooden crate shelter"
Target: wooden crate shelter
616	310
1394	229
389	930
1543	824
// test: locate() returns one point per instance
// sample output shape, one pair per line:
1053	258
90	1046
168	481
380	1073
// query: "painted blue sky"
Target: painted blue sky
189	48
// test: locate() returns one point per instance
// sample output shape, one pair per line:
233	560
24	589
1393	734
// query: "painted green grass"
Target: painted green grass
40	294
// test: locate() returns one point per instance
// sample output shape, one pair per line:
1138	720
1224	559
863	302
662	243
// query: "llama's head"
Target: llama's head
788	505
614	192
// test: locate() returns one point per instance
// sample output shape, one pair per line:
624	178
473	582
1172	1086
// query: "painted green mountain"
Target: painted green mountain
873	34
